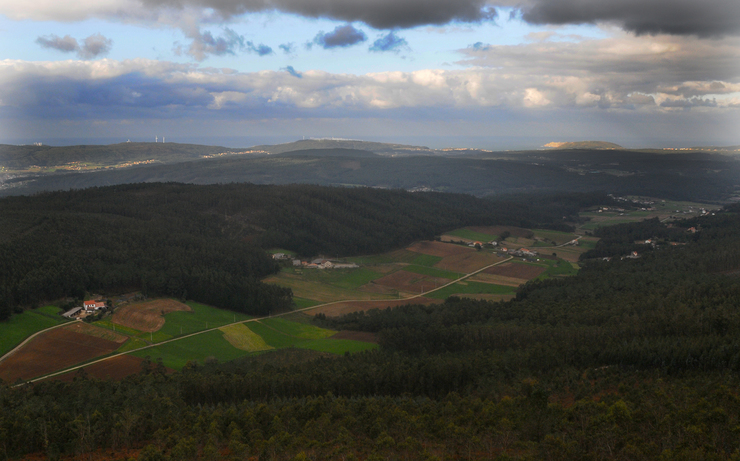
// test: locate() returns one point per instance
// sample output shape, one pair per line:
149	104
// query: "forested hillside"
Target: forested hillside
20	157
630	359
207	242
695	176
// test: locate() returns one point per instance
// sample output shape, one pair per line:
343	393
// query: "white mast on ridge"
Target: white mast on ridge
156	138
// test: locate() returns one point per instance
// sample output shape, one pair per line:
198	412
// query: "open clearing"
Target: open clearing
468	262
21	326
52	351
211	344
147	316
410	282
298	330
497	280
317	290
243	338
439	248
92	330
338	309
516	270
116	368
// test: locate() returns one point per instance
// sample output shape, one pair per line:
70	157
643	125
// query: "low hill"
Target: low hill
334	152
379	148
583	145
21	157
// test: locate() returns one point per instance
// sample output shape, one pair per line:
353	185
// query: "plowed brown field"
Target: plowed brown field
468	262
147	316
410	282
116	368
53	351
519	271
439	249
335	310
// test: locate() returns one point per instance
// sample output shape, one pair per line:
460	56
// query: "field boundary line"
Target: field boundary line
189	335
25	341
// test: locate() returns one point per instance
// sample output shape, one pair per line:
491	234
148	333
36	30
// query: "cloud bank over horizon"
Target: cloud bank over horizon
582	60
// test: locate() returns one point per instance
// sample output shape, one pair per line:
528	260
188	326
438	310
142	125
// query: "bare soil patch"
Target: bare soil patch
519	271
410	282
497	280
92	330
364	336
114	369
53	351
147	316
468	262
338	309
439	248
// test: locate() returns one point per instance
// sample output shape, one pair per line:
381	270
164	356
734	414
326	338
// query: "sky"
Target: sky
496	74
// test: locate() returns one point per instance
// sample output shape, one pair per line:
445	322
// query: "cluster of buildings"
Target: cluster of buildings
318	263
88	307
323	264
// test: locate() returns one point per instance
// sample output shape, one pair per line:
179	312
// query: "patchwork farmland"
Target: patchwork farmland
175	333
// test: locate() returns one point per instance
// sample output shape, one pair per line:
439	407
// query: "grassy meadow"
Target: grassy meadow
21	326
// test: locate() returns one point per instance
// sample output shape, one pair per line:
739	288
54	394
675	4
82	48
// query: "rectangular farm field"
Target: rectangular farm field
21	326
197	348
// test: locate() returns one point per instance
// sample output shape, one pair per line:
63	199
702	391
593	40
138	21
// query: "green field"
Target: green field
299	330
201	318
302	303
426	260
197	348
472	235
21	326
241	337
471	288
280	340
558	237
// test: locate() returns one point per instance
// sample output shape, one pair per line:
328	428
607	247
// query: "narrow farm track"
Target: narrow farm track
25	341
77	367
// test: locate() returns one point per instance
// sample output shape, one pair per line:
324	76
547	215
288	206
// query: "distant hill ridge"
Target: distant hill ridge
20	157
334	152
583	145
380	148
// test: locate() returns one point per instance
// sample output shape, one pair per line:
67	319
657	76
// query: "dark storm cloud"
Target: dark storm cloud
340	37
389	42
380	14
64	44
708	18
92	47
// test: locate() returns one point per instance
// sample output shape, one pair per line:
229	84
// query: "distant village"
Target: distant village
318	263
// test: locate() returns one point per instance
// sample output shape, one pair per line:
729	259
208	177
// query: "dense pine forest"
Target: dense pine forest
207	243
631	359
